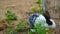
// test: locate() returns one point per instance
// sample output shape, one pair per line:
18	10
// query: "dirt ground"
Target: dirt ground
22	7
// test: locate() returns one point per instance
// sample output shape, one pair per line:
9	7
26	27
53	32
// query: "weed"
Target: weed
39	2
38	7
40	30
30	32
34	9
15	30
10	16
7	29
19	27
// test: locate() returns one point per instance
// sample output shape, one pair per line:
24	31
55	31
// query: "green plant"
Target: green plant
39	2
10	16
39	30
15	30
30	32
20	27
7	30
34	9
38	7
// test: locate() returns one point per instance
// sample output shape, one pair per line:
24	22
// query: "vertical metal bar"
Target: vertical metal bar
44	5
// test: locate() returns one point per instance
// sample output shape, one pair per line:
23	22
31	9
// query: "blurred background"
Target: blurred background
23	7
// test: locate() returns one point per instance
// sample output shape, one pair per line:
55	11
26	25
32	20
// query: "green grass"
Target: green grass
38	8
7	30
30	32
34	9
15	31
10	16
40	30
19	27
39	2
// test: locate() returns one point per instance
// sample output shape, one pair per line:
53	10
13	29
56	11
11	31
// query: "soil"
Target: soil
22	8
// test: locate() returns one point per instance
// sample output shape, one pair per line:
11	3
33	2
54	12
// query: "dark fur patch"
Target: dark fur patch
49	22
32	19
47	16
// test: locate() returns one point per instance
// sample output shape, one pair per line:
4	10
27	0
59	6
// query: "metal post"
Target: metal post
44	5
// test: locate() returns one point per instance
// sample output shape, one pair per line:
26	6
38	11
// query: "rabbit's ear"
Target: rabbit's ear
47	15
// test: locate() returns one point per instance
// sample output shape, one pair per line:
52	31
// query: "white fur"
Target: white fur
53	25
31	15
32	30
40	19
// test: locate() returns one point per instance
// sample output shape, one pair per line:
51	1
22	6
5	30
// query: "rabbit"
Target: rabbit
39	18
